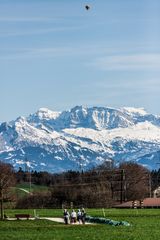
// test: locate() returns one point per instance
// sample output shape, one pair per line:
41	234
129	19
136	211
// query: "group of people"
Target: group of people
74	216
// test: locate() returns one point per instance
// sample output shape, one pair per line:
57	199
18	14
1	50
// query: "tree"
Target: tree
7	179
136	181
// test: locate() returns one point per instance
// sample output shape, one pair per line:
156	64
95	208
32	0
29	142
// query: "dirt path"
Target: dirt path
61	220
58	220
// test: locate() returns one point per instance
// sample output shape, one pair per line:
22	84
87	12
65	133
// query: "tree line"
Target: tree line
102	186
99	187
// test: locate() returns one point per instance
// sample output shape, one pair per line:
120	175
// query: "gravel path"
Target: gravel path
59	220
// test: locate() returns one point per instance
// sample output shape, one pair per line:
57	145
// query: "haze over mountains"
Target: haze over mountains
81	138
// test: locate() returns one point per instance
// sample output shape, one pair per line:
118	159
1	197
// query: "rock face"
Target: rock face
81	138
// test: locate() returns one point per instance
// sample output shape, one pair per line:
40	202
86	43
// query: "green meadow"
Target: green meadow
145	225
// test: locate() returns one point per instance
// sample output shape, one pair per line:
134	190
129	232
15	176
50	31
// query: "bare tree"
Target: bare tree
136	181
7	179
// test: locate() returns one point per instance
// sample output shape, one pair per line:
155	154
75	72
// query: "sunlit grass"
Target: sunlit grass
145	225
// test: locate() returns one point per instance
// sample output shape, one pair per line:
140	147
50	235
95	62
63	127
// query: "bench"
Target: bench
21	215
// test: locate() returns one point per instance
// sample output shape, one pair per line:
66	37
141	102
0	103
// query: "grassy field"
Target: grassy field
34	188
145	225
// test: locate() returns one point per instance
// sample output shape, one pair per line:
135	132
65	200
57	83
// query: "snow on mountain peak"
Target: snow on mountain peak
133	110
93	117
45	113
43	116
21	120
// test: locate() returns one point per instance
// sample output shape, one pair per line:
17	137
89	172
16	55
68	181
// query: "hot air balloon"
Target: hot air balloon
87	7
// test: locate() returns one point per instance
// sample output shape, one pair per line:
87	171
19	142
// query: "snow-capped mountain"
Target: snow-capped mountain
81	138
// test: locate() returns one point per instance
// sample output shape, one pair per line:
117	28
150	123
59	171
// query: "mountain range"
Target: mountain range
81	138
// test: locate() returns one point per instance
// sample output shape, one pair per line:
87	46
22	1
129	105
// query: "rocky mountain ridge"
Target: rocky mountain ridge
81	138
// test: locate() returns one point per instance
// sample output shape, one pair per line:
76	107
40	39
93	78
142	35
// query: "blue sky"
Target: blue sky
55	54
